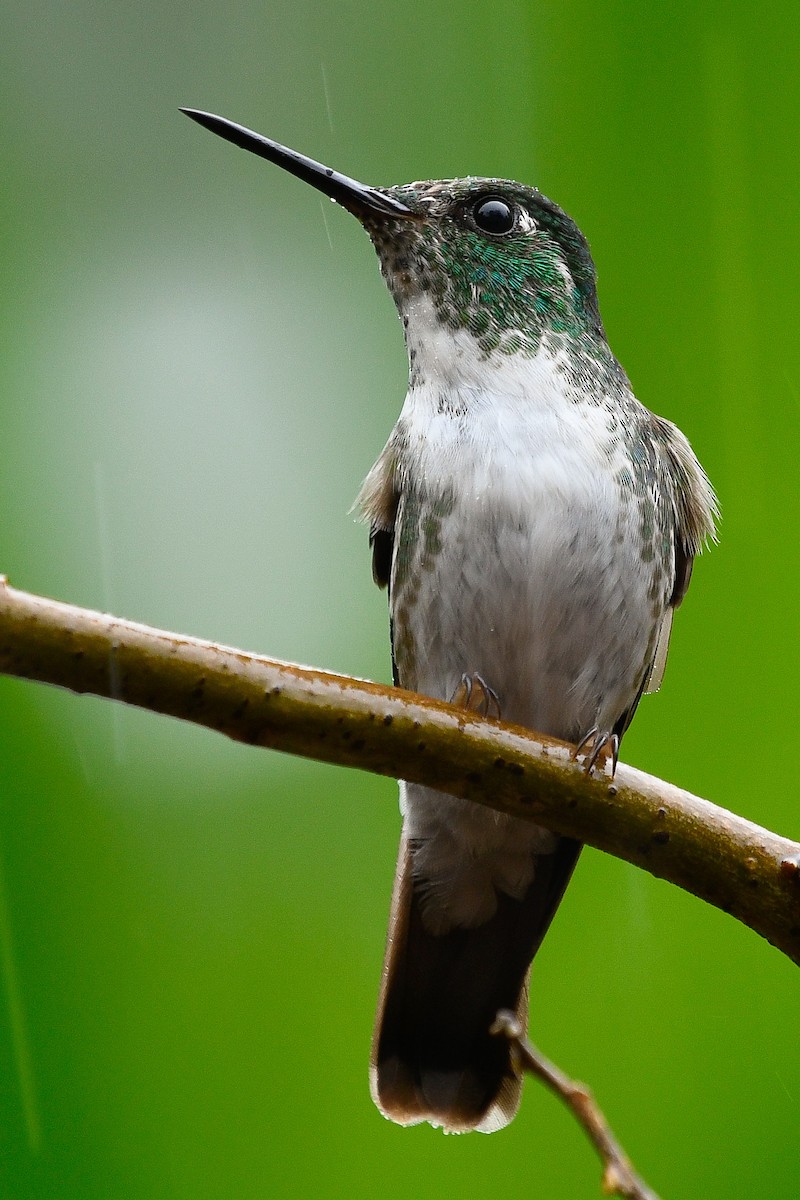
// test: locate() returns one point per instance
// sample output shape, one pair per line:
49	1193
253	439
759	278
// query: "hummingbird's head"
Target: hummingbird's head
488	257
492	257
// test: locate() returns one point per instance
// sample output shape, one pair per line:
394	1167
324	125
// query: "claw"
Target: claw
587	737
474	694
461	695
601	748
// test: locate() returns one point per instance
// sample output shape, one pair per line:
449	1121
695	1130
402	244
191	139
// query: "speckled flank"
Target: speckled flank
418	544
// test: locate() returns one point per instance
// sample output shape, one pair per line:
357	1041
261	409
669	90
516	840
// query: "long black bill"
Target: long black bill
356	197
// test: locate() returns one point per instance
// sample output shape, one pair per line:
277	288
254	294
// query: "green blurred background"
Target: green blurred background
199	365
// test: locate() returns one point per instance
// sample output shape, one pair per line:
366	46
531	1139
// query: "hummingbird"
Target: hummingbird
535	526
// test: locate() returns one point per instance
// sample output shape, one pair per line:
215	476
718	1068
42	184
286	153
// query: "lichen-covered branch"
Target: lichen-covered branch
728	861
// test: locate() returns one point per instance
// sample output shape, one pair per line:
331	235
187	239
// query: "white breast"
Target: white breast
538	583
534	581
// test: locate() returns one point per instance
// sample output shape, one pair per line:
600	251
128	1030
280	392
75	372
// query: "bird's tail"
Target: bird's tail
433	1058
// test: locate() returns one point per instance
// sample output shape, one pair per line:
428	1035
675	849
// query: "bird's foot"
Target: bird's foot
474	694
599	748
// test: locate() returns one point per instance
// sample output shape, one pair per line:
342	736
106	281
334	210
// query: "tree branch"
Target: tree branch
730	862
619	1177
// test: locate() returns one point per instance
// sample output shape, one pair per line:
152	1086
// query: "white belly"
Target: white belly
517	557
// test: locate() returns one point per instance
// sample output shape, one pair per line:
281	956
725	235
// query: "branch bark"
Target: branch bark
729	862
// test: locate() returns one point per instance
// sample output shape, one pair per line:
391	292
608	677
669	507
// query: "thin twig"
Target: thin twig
722	858
619	1177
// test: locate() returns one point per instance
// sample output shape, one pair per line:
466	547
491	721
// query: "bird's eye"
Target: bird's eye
493	215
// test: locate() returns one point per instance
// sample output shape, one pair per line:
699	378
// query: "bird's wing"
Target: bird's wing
378	501
382	544
695	511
